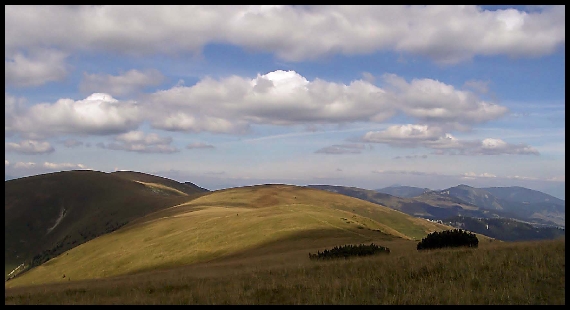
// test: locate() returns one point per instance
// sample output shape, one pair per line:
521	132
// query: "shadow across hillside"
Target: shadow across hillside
290	251
49	214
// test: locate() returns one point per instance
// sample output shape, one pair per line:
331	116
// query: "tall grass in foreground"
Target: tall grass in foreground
506	273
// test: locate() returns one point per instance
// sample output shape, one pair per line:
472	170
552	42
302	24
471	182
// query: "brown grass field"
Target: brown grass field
250	245
495	273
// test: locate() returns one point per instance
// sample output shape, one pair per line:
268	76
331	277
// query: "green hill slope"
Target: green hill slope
48	214
224	224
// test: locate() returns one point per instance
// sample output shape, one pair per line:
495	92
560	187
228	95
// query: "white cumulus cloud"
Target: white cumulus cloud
31	147
447	34
36	69
409	135
435	102
98	114
122	84
231	104
412	136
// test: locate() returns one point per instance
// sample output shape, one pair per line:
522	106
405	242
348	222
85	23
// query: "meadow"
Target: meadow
495	273
221	225
251	245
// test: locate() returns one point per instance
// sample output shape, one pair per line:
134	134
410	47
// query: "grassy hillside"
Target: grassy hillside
229	222
160	183
45	215
496	273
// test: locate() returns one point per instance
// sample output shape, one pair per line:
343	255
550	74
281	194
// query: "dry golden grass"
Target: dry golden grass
495	273
163	188
226	223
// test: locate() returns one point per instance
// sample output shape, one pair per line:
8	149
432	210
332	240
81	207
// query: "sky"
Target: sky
225	96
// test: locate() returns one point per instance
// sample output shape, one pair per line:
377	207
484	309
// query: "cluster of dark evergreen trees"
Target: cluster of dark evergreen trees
350	250
448	238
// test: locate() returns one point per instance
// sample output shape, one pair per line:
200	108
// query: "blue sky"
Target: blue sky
223	96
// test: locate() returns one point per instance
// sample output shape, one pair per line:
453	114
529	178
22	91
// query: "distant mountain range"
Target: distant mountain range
505	229
403	191
521	194
525	203
431	205
527	206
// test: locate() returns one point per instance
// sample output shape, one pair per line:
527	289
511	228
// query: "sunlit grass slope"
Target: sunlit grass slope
228	222
496	273
157	182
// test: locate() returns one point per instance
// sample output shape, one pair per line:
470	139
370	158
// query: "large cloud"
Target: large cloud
122	84
232	104
278	98
447	34
98	114
286	97
436	102
443	143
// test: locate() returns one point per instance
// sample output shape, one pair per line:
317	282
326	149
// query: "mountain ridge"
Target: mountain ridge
457	201
48	214
223	223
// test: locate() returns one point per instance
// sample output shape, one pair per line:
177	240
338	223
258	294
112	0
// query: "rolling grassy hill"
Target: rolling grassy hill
160	183
45	215
251	224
